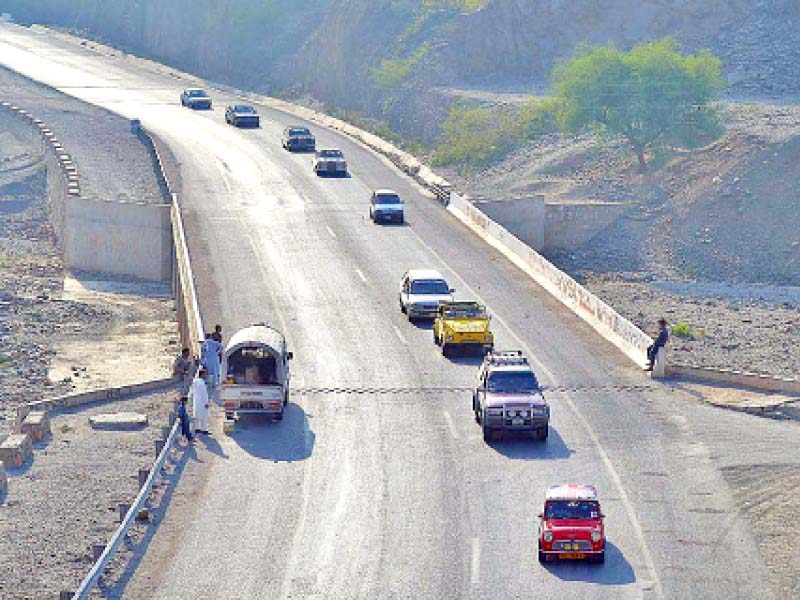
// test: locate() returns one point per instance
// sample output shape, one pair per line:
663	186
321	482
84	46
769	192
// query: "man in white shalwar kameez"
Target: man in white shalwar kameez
200	403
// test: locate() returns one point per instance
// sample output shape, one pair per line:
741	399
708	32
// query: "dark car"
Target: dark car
242	115
195	98
298	139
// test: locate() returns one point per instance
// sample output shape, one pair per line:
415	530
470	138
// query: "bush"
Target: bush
682	330
478	136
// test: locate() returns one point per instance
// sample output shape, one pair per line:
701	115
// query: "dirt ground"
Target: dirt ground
139	345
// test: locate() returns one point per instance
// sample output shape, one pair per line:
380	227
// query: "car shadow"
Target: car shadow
333	176
521	446
281	441
615	571
465	357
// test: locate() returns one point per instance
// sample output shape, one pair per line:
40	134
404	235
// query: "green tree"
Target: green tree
652	95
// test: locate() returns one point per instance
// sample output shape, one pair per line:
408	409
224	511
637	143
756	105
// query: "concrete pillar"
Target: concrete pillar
660	365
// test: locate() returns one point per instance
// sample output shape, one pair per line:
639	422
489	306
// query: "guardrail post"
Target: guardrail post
143	475
64	595
97	551
159	446
123	509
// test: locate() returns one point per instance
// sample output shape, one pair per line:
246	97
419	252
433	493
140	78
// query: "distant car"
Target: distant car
330	162
242	115
421	290
462	325
508	398
571	525
298	139
196	98
386	205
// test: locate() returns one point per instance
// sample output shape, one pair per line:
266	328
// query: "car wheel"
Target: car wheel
436	339
286	398
445	348
475	409
599	558
487	433
542	435
542	557
279	416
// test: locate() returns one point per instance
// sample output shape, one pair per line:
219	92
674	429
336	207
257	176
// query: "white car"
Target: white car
386	205
421	290
330	162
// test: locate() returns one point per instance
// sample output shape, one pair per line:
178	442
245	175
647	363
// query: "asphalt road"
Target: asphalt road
378	483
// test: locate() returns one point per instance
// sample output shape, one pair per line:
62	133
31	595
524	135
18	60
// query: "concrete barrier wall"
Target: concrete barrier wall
570	225
524	217
118	237
121	238
736	378
604	319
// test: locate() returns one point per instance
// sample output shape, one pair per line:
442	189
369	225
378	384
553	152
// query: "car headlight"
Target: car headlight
494	412
596	536
547	536
449	338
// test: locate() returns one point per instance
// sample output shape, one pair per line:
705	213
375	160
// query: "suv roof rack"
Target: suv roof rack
506	357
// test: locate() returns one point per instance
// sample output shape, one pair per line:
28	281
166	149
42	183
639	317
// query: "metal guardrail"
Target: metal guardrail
186	295
130	517
442	192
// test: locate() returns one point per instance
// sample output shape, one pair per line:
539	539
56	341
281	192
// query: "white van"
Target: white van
255	373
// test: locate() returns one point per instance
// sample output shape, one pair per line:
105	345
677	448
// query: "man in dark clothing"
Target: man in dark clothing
217	335
661	341
183	415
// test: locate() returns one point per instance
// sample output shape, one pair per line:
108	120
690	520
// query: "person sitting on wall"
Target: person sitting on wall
661	341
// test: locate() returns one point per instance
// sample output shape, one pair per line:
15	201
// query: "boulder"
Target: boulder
36	425
16	450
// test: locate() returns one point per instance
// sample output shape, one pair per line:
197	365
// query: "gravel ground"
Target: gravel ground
66	499
112	164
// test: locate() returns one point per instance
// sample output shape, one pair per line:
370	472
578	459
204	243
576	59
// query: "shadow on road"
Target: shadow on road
138	540
280	441
616	570
524	447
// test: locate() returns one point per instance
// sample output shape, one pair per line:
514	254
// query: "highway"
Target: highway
378	483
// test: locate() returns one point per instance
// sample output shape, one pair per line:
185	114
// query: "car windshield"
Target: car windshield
465	312
197	94
244	109
571	509
430	286
388	199
331	153
513	381
299	131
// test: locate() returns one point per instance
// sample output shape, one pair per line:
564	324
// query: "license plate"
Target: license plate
517	422
573	556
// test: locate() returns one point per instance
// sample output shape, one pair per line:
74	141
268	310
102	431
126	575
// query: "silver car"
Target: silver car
421	290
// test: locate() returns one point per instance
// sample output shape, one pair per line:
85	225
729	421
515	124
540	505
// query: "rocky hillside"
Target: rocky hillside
388	58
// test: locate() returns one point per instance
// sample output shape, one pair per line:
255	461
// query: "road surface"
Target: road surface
378	483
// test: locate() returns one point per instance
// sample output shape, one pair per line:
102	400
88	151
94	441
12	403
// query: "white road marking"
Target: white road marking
361	275
476	561
615	478
330	231
450	424
399	335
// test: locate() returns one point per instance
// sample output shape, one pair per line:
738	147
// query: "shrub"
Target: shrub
682	330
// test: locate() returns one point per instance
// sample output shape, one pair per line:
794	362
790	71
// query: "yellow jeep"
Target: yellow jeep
463	324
